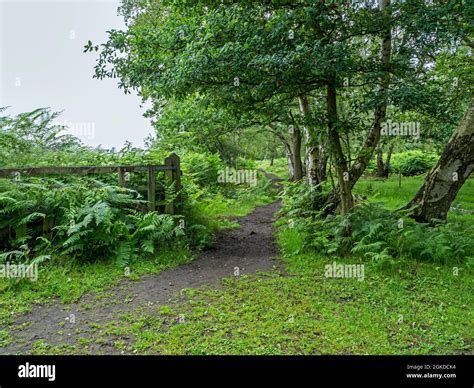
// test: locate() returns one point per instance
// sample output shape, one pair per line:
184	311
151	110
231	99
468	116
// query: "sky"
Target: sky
42	64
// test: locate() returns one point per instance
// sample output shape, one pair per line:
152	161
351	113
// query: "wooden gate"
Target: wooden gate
171	168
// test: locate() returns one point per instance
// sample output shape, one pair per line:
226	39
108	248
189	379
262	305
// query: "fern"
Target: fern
373	232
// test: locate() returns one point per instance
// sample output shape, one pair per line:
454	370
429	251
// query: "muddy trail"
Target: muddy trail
246	250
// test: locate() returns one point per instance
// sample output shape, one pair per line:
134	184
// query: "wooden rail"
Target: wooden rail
171	167
39	171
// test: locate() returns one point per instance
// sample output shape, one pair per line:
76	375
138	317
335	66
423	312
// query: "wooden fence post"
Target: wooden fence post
48	226
151	188
121	177
172	177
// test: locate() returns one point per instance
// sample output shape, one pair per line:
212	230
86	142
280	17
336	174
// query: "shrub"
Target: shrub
246	164
203	169
302	200
372	231
87	221
413	162
410	163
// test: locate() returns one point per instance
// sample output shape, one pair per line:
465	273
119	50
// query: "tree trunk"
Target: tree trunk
292	152
312	147
298	166
373	138
290	156
323	162
383	168
380	164
433	200
367	150
312	162
345	190
290	160
388	160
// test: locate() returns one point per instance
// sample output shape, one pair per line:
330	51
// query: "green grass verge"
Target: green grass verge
416	308
392	196
279	167
68	282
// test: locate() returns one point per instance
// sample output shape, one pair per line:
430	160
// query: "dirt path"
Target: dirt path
251	249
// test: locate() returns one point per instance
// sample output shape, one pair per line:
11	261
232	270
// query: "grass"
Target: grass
68	282
279	167
417	308
393	197
220	207
215	211
388	191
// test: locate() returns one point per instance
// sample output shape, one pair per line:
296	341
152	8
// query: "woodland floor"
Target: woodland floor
248	249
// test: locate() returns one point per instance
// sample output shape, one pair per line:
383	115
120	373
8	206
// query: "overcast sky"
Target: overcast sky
42	64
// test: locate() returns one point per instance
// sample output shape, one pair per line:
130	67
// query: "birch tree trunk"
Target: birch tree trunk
433	200
290	160
388	160
292	149
312	146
